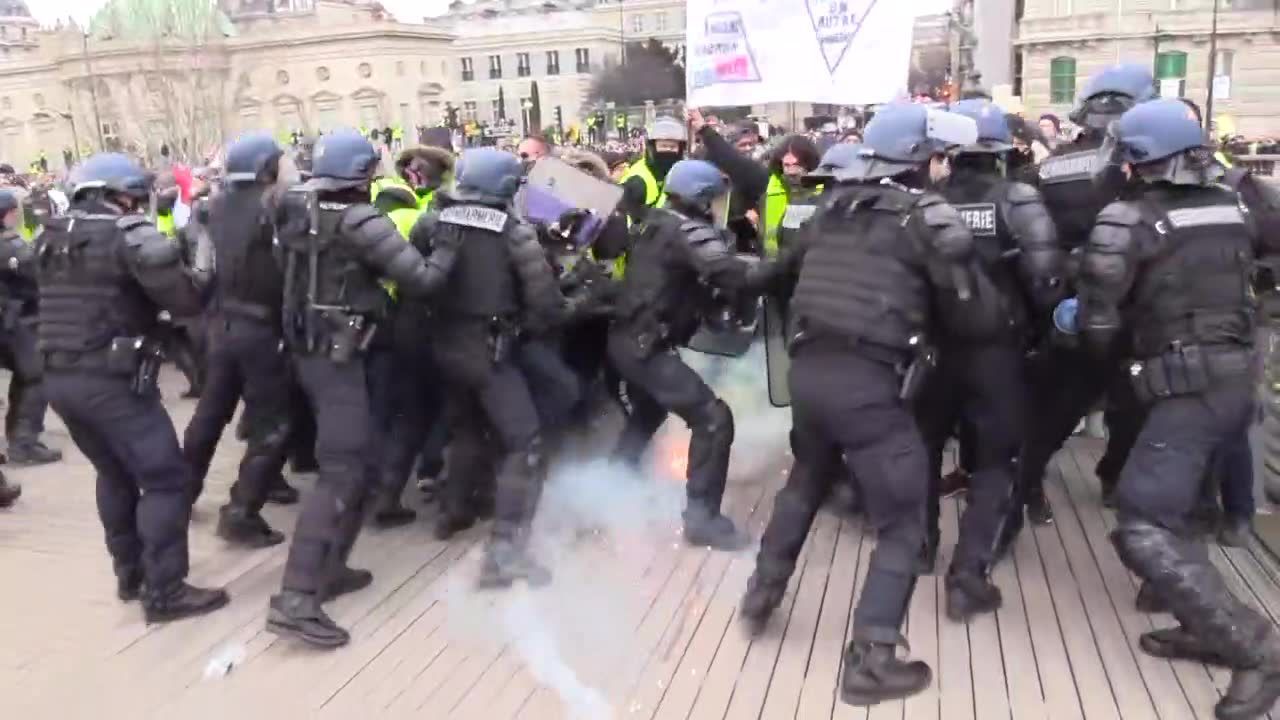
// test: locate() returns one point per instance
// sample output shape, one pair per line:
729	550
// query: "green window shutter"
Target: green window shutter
1171	65
1062	80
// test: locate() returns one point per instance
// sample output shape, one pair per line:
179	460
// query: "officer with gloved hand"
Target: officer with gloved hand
980	380
863	316
678	264
1066	383
24	420
1171	265
247	358
105	274
335	248
500	288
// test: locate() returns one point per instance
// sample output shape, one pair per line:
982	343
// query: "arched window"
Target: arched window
1062	80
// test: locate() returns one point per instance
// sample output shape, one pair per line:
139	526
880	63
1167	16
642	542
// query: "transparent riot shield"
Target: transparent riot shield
732	333
777	360
554	187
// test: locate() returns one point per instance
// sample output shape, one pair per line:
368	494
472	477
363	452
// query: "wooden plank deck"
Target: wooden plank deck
635	626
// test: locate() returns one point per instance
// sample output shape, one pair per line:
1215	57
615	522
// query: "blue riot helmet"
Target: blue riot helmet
487	175
343	159
839	159
111	173
1163	142
1110	93
695	185
253	158
904	136
993	130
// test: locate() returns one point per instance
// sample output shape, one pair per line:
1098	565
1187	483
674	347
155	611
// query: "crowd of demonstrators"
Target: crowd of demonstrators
941	273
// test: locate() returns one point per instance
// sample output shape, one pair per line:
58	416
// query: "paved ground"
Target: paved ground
635	626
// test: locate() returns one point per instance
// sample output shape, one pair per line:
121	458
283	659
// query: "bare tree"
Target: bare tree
174	99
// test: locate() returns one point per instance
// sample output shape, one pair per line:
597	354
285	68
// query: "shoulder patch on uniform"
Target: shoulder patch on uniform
1201	216
332	206
1068	167
980	218
797	215
476	216
1020	193
1120	213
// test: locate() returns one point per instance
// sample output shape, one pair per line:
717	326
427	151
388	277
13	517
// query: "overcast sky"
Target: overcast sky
48	11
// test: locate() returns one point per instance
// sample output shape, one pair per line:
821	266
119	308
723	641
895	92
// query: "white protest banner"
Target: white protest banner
844	52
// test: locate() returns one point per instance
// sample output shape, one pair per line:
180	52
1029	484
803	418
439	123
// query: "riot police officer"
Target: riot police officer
24	420
980	380
861	315
1171	265
677	262
1066	383
417	403
335	247
105	273
247	356
500	287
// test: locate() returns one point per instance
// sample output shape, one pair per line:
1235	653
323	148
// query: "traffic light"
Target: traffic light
559	118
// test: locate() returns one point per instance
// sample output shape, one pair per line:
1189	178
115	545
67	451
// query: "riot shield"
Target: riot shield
734	333
777	360
554	187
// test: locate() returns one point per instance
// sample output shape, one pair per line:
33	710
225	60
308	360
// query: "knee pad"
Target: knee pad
1144	546
715	419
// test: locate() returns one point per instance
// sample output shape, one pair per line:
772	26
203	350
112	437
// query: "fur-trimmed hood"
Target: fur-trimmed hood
587	161
425	152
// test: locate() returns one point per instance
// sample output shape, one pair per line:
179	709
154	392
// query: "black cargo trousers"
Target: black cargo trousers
143	483
246	360
845	403
349	452
979	386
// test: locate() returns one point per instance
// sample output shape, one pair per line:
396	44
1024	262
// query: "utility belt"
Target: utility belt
1188	369
137	358
914	367
338	332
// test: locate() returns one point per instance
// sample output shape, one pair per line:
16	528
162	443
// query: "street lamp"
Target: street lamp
1213	71
75	138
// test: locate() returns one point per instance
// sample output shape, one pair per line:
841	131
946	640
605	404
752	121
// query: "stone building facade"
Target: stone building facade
281	65
1062	42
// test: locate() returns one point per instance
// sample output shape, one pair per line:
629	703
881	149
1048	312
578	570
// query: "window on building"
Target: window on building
583	58
468	70
1172	64
1062	80
660	21
1225	64
1062	7
553	62
523	68
469	110
637	23
495	67
495	109
400	67
1017	74
1171	73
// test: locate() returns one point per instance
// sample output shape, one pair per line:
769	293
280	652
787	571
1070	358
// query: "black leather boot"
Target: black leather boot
702	528
181	601
505	562
348	580
762	598
128	584
1176	643
299	615
1235	532
9	492
1252	694
389	512
238	526
970	594
281	492
873	674
1039	512
32	452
